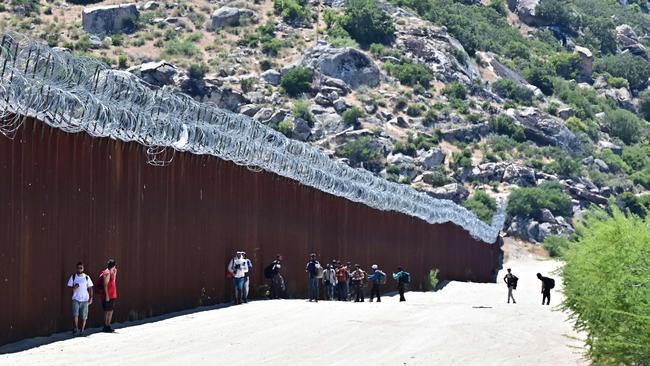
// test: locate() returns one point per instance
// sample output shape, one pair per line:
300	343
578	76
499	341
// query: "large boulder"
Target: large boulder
466	133
628	41
110	19
499	70
455	192
586	63
545	129
434	47
158	73
527	11
431	159
227	16
352	66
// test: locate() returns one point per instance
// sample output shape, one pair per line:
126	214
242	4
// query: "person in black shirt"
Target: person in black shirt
511	281
547	285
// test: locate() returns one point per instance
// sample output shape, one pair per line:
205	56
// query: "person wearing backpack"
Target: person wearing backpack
329	281
313	270
82	296
511	282
107	290
377	278
403	278
547	285
272	274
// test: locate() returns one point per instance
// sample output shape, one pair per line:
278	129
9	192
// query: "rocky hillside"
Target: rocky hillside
541	102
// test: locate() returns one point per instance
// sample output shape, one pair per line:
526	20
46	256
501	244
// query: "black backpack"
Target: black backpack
268	271
551	283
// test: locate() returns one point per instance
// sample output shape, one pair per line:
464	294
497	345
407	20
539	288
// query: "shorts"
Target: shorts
108	305
239	282
80	309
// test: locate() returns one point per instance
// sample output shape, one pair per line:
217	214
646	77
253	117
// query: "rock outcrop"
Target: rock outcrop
158	73
229	17
352	66
110	19
628	41
545	129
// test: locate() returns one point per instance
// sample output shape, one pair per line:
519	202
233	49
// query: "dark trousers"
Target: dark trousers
374	291
342	291
400	289
313	288
274	292
546	295
358	291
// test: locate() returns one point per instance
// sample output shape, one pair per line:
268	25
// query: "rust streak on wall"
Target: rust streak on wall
69	197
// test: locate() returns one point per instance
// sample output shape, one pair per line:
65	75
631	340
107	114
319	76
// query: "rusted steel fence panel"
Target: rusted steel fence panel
69	197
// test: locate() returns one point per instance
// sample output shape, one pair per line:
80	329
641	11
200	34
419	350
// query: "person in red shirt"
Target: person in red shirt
108	279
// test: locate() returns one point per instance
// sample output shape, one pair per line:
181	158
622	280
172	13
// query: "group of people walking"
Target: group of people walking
84	291
341	281
547	285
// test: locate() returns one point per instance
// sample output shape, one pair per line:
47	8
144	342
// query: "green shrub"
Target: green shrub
557	12
634	69
628	202
122	61
377	49
351	116
504	125
541	77
642	178
607	287
455	90
301	110
644	105
367	23
431	117
411	74
637	157
625	125
432	279
461	159
197	71
271	46
528	201
482	205
555	245
286	127
185	47
293	11
566	65
616	82
297	81
414	110
437	178
510	89
363	151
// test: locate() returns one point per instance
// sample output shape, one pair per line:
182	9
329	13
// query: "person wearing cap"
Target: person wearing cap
377	278
329	281
238	268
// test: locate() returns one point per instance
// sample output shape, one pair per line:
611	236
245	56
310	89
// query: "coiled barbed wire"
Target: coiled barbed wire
78	94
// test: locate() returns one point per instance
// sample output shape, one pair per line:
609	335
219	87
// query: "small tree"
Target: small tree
482	205
351	116
367	23
625	125
297	81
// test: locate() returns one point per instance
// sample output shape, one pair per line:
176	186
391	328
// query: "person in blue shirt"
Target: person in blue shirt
402	279
312	270
377	278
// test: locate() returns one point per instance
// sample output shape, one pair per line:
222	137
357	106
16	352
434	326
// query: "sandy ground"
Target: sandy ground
464	324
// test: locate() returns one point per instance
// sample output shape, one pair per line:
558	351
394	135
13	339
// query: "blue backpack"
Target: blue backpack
406	277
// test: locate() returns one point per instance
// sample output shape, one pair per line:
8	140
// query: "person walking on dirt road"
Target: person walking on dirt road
511	282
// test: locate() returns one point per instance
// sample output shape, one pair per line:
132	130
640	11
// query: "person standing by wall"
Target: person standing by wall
511	282
342	276
377	278
237	267
313	267
329	281
273	275
403	278
82	297
247	277
358	276
108	284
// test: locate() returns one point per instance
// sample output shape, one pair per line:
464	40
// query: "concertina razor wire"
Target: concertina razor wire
76	94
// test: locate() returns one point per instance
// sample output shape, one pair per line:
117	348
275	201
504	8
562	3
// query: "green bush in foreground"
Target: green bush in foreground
555	245
607	287
432	280
297	81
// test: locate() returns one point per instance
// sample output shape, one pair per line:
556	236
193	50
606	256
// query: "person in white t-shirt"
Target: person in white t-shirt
82	296
238	267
